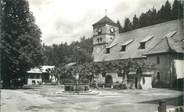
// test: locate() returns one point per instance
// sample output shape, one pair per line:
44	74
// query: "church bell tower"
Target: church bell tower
104	32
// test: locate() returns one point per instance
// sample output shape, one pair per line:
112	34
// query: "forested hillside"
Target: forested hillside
166	13
77	51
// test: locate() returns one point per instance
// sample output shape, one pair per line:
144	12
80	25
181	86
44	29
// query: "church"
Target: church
161	44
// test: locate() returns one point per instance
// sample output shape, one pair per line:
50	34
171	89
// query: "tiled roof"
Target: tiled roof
105	20
157	43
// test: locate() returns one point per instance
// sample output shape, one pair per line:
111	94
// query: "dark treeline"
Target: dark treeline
166	13
77	51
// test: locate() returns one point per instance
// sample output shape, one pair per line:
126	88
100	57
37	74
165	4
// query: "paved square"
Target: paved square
50	99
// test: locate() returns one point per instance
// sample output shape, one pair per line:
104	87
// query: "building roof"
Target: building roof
157	38
105	20
39	70
166	45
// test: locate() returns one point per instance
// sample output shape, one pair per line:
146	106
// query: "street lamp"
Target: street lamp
77	74
77	79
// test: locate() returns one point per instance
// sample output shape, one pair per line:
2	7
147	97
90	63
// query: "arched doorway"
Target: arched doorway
108	81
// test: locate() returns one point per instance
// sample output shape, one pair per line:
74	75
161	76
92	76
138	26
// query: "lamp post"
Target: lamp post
77	74
77	79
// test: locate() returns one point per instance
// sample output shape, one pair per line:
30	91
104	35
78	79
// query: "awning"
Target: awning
179	67
127	42
112	45
171	34
146	39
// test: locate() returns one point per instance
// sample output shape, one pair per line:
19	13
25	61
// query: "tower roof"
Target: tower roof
105	20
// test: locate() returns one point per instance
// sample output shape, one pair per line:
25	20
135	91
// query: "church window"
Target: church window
142	45
103	74
112	30
100	39
123	48
158	75
107	50
99	31
158	60
143	42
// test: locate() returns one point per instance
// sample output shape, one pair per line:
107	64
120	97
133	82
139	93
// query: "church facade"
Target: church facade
161	45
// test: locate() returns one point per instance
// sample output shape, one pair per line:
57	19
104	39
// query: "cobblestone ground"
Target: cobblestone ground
51	99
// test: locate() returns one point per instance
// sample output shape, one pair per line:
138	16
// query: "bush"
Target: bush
122	86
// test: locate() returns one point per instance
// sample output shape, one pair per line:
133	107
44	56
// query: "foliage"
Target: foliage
88	71
167	12
20	40
77	51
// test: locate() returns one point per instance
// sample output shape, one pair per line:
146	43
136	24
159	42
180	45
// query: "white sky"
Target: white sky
67	20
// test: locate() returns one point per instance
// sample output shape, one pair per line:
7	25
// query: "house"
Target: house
39	75
159	44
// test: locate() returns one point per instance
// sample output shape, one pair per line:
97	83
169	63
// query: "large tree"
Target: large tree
177	10
127	25
136	23
20	43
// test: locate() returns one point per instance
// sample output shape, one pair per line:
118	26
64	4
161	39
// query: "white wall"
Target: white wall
37	81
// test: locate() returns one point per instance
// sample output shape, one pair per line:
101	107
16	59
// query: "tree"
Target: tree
127	25
177	10
136	23
20	44
119	26
167	11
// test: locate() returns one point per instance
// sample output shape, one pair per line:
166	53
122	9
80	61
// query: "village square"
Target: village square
134	67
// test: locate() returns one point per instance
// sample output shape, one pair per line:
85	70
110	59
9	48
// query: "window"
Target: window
158	60
142	45
143	42
158	75
123	48
107	50
103	74
100	39
99	30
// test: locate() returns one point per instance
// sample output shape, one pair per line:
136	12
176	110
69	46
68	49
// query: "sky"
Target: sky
68	20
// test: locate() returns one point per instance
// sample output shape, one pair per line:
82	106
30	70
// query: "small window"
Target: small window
99	30
123	48
158	60
100	39
158	75
103	74
107	50
142	45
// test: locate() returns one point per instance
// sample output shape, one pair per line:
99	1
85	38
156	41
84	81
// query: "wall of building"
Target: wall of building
163	75
115	78
34	81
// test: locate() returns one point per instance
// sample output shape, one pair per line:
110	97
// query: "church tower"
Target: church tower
104	31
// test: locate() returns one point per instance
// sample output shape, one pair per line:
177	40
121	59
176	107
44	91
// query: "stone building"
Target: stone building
161	44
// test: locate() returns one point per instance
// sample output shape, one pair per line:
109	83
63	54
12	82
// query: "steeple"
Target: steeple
105	20
105	12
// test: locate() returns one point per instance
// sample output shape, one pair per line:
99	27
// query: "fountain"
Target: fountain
77	88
